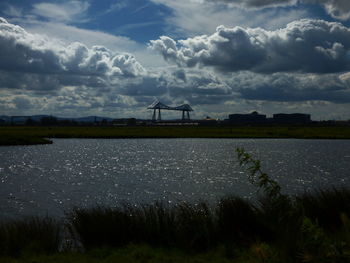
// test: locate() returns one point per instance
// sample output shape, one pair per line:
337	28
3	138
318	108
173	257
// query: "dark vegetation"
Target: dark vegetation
31	235
15	139
313	227
26	135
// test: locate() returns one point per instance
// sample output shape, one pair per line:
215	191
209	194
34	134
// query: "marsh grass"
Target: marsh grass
238	222
185	226
326	207
259	232
289	226
31	235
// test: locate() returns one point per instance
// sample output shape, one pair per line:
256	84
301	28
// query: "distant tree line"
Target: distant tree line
53	121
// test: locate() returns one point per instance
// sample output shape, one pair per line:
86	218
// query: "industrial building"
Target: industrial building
279	118
294	118
253	117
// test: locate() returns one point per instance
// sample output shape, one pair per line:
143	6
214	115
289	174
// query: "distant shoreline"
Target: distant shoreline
26	135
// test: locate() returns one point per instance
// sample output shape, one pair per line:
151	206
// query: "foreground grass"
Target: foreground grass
138	254
314	227
36	135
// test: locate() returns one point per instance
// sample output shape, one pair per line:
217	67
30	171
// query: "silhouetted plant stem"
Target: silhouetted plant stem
257	177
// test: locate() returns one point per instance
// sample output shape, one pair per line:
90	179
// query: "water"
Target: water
51	179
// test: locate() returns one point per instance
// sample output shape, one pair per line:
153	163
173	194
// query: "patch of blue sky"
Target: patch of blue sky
139	20
14	8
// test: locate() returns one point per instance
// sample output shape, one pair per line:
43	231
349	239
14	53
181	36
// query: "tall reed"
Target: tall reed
32	235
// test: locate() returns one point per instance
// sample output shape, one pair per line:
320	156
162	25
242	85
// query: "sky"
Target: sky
113	58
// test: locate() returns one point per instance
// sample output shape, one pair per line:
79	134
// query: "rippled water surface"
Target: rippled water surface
51	179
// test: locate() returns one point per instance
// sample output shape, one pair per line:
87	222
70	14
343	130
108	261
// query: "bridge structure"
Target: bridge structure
157	106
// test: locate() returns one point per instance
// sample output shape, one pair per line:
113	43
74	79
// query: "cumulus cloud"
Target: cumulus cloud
302	46
39	74
21	51
41	65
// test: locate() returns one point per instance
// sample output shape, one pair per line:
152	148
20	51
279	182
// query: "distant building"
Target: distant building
253	117
208	121
294	118
125	122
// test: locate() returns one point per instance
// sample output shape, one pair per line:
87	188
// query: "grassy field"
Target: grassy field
36	135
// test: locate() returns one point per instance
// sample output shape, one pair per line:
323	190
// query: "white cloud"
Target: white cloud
116	6
67	34
191	18
31	53
43	66
256	3
66	11
302	46
339	9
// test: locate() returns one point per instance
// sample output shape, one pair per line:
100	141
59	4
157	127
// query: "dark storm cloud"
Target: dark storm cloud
283	87
180	74
22	103
144	86
198	87
180	84
302	46
28	81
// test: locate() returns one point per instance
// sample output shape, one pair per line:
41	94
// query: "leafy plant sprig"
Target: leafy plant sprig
257	177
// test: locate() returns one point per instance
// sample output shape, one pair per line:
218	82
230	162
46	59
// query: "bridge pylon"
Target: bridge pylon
157	105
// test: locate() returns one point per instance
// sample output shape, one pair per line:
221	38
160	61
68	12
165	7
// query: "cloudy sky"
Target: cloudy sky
115	57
